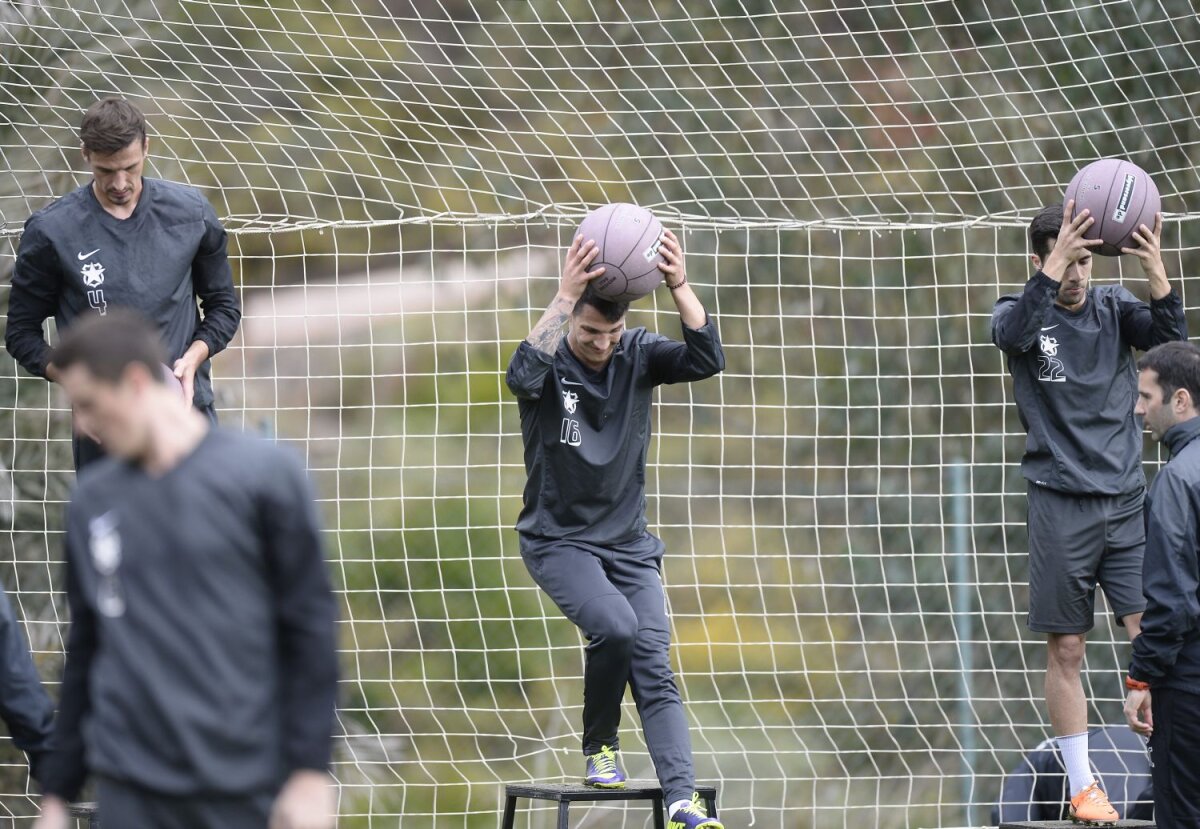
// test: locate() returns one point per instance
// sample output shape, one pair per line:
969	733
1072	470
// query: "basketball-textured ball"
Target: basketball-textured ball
629	238
1122	198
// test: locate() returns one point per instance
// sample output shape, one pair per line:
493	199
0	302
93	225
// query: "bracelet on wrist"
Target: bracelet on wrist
1136	684
678	284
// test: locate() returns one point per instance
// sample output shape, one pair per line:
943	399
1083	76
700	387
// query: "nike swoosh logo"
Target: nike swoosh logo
83	256
1050	327
567	382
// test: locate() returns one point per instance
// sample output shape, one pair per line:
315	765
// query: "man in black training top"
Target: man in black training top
585	419
123	240
1069	352
1166	655
201	668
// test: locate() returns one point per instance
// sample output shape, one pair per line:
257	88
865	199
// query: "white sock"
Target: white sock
676	806
1075	757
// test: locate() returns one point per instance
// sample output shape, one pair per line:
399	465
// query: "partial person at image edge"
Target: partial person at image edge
1163	702
25	706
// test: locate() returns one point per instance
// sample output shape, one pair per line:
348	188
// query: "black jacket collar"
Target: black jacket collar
1180	435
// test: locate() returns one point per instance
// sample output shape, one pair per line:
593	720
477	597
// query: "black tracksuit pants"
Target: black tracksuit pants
1174	747
615	596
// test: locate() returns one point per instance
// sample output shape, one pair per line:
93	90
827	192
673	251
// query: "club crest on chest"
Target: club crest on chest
93	274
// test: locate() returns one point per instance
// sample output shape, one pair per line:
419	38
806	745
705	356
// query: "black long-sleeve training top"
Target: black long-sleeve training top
586	433
201	657
1167	652
1075	380
24	704
75	258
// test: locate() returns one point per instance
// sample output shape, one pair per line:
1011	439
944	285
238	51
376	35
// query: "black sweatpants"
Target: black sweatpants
123	805
615	596
1174	747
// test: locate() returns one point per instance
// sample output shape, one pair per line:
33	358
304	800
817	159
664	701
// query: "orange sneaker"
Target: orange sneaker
1091	807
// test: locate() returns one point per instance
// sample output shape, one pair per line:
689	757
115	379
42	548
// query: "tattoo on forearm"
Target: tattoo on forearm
548	332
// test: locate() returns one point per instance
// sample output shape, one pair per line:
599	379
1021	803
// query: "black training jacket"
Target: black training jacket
1167	652
202	656
1075	381
586	433
74	258
24	704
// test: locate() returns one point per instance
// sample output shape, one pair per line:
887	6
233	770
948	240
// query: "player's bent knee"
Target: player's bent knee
611	619
652	660
653	645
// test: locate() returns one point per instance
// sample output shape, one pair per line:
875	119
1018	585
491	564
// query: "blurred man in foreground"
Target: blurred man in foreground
201	666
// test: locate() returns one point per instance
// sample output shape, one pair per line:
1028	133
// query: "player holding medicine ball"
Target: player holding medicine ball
1069	352
585	419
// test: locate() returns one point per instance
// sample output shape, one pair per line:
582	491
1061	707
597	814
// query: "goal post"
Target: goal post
842	507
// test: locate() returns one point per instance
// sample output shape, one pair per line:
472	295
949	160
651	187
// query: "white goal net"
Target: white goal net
842	507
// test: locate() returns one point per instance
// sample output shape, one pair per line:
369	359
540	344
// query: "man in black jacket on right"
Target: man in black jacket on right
1166	655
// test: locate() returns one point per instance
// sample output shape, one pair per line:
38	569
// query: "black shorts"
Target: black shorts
1075	543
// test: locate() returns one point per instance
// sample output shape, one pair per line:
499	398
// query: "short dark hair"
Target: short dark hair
1044	229
107	345
111	125
1177	365
612	310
